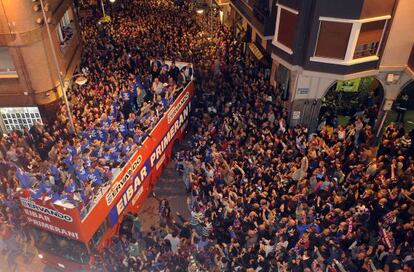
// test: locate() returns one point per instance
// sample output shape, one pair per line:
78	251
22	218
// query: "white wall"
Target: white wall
401	38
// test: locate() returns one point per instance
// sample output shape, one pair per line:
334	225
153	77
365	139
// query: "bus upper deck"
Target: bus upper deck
129	187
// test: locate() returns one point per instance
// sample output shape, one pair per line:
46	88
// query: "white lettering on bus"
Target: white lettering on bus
128	194
37	215
33	206
159	151
112	194
135	189
176	108
47	226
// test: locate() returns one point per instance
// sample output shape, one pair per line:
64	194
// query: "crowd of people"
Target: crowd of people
262	196
127	91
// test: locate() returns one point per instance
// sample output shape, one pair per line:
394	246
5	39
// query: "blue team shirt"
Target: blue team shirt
96	177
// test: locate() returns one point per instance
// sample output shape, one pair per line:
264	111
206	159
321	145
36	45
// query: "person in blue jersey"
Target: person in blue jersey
122	127
139	136
93	134
104	120
68	162
113	131
80	172
70	186
103	134
164	101
96	149
84	144
114	110
96	176
119	140
55	172
109	157
71	149
131	123
124	100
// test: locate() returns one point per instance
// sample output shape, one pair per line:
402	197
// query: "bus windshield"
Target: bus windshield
61	246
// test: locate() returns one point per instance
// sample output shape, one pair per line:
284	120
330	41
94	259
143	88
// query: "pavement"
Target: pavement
171	187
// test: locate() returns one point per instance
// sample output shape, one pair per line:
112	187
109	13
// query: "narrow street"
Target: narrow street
171	187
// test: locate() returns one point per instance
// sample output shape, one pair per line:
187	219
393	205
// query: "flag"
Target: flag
24	179
43	187
36	194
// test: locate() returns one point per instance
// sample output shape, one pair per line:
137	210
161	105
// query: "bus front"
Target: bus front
57	233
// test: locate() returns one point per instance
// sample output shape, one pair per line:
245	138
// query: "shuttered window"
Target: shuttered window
333	39
287	28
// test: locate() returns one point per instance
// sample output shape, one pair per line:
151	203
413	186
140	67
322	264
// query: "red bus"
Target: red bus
66	236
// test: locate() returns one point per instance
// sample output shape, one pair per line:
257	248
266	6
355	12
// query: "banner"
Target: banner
348	85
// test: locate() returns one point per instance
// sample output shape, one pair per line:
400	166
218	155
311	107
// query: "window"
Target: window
286	24
348	41
366	50
333	39
65	28
6	62
61	246
96	238
369	39
19	118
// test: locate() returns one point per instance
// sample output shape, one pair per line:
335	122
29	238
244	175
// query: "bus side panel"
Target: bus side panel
148	184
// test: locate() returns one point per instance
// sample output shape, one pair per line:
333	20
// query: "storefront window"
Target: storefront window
19	118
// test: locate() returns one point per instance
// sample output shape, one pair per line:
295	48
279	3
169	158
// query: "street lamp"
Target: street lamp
62	84
80	79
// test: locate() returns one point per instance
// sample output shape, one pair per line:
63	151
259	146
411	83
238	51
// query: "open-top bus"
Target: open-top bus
67	236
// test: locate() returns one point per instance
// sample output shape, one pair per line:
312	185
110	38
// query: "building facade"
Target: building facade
254	21
317	44
28	73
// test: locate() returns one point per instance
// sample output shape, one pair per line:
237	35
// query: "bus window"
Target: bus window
96	238
61	246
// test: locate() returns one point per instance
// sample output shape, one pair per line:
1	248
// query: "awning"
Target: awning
256	51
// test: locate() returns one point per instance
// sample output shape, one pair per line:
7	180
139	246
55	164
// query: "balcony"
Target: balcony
258	15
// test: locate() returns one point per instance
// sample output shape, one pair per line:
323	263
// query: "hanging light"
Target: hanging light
112	1
200	11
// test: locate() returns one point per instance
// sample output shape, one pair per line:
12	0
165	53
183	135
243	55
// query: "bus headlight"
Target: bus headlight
40	256
61	265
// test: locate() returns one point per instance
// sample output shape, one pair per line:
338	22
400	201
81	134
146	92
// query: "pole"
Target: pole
103	8
62	84
381	124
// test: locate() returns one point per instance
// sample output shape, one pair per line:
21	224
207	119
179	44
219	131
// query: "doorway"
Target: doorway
345	100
